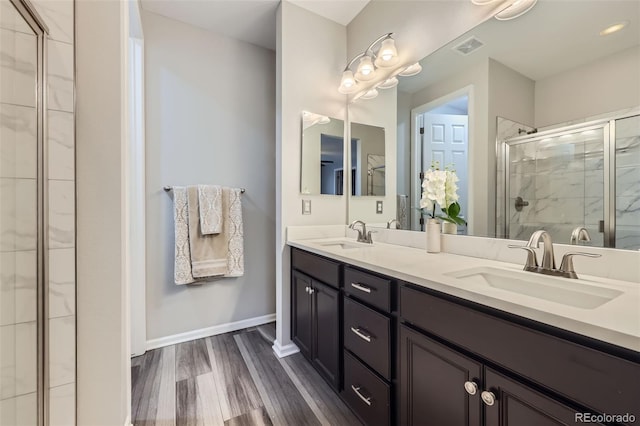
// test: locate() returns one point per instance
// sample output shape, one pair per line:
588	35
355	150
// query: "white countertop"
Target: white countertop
616	321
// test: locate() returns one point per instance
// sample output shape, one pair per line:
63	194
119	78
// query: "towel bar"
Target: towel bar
169	188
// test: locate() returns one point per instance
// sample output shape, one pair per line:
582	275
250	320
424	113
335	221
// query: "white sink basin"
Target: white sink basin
576	293
343	244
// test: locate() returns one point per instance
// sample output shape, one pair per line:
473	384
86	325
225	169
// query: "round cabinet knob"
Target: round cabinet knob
306	289
311	291
471	387
488	397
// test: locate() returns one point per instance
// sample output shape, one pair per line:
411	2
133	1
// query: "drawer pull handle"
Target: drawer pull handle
488	398
360	334
361	287
471	387
366	400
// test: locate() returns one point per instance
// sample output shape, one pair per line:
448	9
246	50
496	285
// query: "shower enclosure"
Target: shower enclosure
586	174
22	220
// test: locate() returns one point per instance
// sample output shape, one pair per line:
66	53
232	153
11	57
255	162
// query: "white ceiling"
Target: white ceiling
252	21
340	11
553	37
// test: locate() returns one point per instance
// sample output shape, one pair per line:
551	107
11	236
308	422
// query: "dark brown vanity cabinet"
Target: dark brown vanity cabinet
433	379
368	335
443	387
399	353
463	360
315	316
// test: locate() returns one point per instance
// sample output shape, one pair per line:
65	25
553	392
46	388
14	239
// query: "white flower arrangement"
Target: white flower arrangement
440	187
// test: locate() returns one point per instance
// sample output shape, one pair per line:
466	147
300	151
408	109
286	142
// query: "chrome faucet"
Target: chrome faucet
548	266
579	234
548	261
390	222
363	235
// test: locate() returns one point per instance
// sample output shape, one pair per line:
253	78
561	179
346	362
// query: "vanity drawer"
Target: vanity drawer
366	334
322	269
603	382
368	395
369	288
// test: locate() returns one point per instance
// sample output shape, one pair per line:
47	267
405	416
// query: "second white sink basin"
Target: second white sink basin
576	293
343	244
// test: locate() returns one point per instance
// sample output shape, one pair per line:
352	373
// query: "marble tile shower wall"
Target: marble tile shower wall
18	310
628	183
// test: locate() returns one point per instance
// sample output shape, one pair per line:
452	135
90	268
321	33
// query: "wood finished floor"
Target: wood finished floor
232	379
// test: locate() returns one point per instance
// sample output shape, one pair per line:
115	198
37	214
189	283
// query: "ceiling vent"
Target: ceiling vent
469	45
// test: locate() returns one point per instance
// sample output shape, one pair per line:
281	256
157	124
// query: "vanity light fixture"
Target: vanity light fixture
370	94
411	70
310	119
373	58
388	83
614	28
514	9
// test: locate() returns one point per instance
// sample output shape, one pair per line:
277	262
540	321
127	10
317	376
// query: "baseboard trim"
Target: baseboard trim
209	331
284	351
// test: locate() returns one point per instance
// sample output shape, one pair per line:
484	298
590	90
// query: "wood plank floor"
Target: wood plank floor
232	379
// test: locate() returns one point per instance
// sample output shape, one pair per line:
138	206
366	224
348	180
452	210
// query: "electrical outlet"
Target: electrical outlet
306	206
378	207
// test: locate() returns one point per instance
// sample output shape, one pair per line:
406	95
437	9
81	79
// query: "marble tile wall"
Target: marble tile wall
17	243
18	220
628	183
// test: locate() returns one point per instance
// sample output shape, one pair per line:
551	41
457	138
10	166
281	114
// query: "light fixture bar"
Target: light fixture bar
367	71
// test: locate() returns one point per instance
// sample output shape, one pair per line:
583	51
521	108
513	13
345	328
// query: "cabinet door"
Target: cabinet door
432	384
518	405
326	323
301	315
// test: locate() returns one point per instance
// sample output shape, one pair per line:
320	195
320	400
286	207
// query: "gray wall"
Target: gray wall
210	118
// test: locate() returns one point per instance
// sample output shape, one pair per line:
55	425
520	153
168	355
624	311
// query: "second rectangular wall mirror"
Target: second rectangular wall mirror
367	160
322	163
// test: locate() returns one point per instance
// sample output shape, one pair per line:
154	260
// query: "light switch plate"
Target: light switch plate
379	207
306	206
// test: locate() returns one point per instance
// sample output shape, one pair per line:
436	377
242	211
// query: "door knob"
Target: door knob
488	398
471	387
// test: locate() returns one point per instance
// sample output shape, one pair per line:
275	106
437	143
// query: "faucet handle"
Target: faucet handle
566	267
532	261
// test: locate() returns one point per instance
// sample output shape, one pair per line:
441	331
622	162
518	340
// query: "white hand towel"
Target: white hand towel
182	265
210	206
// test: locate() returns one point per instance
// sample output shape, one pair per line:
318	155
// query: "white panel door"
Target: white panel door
446	141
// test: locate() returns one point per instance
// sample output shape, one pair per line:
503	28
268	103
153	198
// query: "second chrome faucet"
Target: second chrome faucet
548	266
364	236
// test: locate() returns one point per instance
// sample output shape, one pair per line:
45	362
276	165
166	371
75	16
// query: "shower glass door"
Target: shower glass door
556	182
21	266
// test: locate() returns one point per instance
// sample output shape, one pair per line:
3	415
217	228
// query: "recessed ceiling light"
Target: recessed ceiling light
614	28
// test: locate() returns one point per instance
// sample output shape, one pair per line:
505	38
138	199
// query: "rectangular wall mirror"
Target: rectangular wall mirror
322	162
367	160
543	73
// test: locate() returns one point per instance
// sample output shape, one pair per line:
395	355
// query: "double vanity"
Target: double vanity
411	338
